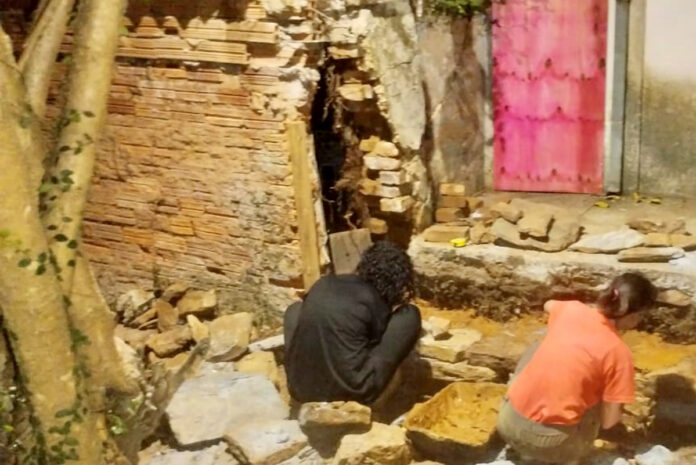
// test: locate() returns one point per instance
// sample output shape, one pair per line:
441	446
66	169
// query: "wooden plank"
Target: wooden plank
304	201
347	248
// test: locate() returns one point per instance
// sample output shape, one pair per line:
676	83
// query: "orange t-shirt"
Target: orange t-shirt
581	361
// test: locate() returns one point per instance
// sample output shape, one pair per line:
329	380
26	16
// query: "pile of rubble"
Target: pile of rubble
538	226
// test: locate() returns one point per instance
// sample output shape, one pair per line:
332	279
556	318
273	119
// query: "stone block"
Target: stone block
383	444
650	254
452	189
175	291
657	240
170	342
197	302
563	233
609	243
266	442
653	225
452	349
535	223
480	234
393	178
454	372
229	336
437	328
259	362
683	241
384	148
397	205
375	188
453	201
199	330
445	233
167	316
376	163
368	145
213	455
450	215
674	297
209	405
507	212
377	226
338	414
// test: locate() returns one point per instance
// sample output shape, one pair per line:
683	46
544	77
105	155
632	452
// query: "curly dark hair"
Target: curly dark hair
389	270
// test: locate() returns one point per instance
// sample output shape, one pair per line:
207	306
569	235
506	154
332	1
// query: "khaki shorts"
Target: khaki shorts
548	443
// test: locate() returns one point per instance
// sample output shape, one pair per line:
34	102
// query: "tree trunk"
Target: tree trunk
41	50
35	317
91	315
89	81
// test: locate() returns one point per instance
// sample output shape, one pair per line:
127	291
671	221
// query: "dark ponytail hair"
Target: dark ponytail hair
389	270
628	293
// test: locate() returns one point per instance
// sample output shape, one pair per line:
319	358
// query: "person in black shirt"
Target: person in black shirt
347	338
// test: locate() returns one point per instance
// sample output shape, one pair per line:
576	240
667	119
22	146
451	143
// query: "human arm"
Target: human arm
611	414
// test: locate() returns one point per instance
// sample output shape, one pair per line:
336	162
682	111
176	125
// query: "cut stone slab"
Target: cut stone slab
130	360
393	178
347	248
377	226
650	254
144	319
382	445
384	148
206	407
648	225
269	343
133	303
167	316
658	455
171	364
448	188
266	442
259	362
450	215
480	234
500	352
197	302
397	205
535	223
199	330
136	338
445	232
307	456
683	241
452	349
453	201
674	297
335	414
658	240
436	327
609	243
507	212
175	291
376	189
214	455
229	336
169	343
563	233
368	145
460	371
376	163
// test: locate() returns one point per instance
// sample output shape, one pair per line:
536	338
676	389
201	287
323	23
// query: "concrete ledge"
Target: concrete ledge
500	282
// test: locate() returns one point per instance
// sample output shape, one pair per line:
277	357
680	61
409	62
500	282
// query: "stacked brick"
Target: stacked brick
193	181
462	219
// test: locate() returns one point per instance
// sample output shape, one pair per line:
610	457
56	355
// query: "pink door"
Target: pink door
548	93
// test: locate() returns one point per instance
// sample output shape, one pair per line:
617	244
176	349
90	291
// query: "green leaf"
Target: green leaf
5	233
8	428
66	172
89	114
23	263
67	219
41	269
52	227
74	116
78	150
45	187
67	301
42	257
65	412
64	148
61	237
71	263
72	244
71	441
25	121
66	60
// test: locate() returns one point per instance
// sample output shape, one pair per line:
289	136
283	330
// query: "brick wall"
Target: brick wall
193	180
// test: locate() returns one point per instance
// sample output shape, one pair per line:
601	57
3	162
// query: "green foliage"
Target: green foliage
459	8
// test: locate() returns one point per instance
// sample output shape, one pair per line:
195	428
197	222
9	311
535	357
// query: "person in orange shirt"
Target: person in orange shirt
578	377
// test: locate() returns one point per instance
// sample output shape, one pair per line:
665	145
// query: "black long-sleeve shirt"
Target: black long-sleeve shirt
330	356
